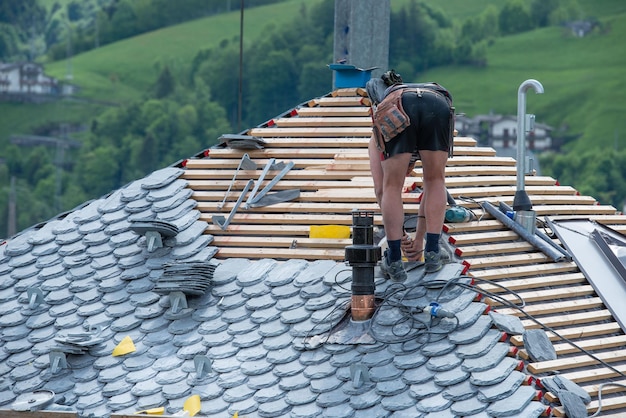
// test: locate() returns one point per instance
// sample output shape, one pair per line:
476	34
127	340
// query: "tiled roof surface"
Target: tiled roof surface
242	316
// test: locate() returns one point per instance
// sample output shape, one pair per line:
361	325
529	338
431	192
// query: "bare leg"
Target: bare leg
376	169
394	172
434	169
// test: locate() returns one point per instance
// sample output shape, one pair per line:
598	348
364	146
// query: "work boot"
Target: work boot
432	262
394	270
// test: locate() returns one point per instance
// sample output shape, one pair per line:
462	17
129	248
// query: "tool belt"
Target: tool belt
390	119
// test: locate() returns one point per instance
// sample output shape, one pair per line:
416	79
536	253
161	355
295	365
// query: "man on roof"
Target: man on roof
410	121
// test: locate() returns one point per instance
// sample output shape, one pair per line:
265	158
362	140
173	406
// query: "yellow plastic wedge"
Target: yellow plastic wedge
124	347
192	405
152	411
329	231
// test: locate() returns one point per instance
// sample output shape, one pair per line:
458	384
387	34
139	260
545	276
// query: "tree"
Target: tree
515	17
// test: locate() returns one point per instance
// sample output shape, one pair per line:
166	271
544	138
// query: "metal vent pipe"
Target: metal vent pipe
521	202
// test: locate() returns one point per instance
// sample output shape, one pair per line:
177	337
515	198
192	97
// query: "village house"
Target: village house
500	131
24	78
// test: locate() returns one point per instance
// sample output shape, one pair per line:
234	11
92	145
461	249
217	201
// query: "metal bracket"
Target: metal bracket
272	183
178	301
154	240
203	366
223	222
58	361
267	168
359	374
247	164
35	297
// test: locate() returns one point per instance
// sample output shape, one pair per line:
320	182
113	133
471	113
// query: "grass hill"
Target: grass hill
581	76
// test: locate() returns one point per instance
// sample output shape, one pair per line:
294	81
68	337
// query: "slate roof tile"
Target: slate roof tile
252	324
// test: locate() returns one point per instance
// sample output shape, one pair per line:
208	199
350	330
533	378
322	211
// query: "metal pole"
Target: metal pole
521	200
240	95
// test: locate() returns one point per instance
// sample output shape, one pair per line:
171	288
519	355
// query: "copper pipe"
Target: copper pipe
362	307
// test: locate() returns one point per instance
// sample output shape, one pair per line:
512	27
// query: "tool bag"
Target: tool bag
390	119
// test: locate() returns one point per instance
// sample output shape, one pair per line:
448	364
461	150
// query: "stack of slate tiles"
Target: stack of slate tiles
189	278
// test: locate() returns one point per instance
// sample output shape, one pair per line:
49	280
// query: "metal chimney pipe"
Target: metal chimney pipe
521	200
362	255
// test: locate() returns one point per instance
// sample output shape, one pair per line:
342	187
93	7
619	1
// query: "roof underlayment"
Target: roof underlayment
146	299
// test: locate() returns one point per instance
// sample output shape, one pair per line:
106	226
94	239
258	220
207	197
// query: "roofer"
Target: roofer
411	121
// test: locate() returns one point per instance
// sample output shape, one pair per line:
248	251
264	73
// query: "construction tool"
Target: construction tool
220	220
247	164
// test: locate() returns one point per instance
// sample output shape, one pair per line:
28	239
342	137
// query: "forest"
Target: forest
189	105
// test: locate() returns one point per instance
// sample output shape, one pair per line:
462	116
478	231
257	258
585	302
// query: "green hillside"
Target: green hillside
125	69
582	79
577	73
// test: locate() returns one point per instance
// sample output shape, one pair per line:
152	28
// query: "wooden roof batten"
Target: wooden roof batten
327	139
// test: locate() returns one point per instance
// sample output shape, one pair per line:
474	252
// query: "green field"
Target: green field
582	79
582	76
125	69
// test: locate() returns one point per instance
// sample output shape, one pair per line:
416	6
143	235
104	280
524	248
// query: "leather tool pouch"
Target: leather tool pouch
389	117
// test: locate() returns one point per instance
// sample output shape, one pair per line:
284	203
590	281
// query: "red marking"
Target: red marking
207	152
458	252
513	351
464	271
503	339
184	163
445	228
557	183
294	112
487	309
520	366
271	123
452	240
538	383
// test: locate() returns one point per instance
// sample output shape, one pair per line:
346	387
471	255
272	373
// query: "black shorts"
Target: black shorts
431	124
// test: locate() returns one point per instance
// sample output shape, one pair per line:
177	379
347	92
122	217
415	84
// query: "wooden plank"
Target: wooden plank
335	111
473	226
510	272
576	362
555	307
477	192
323	121
349	92
485	151
268	241
340	101
278	153
311	132
594	374
324	195
543	295
308	174
281	253
263	230
608	404
586	331
493	248
323	209
287	219
534	282
495	180
483	237
594	344
223	185
507	260
569	319
356	143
